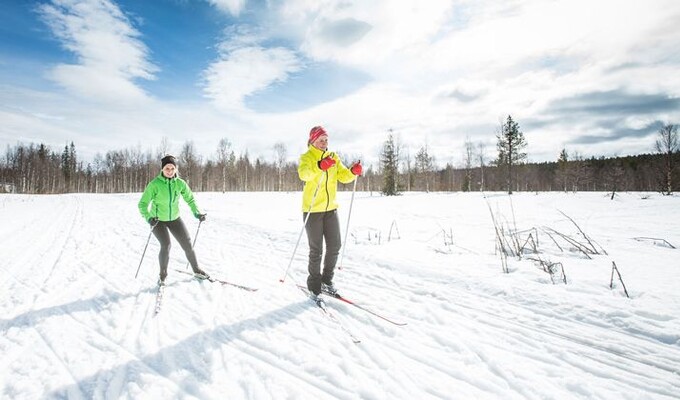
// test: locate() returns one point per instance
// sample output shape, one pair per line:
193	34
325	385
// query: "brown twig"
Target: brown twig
611	282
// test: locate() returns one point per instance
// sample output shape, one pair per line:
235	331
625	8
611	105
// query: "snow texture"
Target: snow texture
75	323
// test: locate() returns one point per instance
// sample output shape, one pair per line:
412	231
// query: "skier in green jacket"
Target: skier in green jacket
159	206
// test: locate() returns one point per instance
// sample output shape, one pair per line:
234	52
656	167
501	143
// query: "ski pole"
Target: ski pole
193	245
349	215
316	191
147	245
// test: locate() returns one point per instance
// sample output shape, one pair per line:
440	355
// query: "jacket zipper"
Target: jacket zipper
328	199
170	200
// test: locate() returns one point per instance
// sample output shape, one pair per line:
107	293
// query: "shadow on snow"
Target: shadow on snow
191	351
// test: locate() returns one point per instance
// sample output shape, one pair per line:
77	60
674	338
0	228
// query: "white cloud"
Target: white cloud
440	71
233	7
244	68
384	31
110	55
537	52
427	58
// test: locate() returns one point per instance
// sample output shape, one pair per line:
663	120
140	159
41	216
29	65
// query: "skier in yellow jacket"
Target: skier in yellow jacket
321	170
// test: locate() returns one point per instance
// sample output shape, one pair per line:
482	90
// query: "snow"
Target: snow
76	324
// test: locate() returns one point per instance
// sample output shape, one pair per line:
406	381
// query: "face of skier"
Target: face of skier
169	170
321	142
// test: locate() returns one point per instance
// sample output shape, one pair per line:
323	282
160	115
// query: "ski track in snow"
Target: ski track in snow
76	324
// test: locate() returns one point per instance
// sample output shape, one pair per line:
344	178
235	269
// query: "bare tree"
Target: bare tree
468	151
614	177
191	164
667	144
281	154
481	156
163	148
225	156
408	170
580	172
424	167
243	172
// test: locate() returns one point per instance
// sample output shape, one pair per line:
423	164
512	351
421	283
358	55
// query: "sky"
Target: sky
595	78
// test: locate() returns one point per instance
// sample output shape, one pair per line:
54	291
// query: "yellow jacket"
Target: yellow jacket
311	174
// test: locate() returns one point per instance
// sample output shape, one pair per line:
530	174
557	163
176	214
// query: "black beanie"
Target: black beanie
168	160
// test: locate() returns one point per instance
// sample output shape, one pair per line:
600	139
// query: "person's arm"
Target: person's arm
345	175
188	196
147	198
308	169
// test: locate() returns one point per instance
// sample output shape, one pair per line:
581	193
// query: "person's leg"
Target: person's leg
161	233
331	233
314	230
181	234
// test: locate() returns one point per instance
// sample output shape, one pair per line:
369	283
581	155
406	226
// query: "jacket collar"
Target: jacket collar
318	153
161	176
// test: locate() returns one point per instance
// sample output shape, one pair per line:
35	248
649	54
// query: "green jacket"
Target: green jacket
311	174
161	198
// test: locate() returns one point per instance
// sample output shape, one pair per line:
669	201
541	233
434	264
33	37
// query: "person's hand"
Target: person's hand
201	217
153	221
326	163
356	168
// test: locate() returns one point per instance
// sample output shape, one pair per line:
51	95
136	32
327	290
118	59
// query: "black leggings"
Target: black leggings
179	231
320	226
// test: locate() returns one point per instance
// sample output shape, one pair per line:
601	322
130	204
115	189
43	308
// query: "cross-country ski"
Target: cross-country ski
223	282
321	304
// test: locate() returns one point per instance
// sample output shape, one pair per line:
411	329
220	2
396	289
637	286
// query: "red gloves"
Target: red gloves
326	163
356	168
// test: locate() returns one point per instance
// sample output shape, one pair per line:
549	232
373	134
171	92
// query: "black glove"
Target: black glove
201	217
153	221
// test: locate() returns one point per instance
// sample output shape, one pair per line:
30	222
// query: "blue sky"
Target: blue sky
596	78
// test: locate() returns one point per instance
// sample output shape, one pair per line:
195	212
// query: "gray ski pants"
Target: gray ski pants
179	231
320	226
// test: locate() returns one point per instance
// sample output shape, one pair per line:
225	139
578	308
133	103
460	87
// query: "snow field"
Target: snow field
76	324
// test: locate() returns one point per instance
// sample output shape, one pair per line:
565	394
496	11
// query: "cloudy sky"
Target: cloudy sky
597	77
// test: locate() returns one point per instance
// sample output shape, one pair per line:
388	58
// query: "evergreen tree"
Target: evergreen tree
563	169
68	167
511	142
389	163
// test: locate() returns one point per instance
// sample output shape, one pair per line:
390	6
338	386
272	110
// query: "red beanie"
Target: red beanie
315	133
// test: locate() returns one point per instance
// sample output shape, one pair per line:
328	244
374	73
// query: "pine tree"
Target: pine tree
563	169
389	163
511	142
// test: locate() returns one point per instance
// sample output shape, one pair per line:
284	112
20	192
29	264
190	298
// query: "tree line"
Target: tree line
37	169
509	171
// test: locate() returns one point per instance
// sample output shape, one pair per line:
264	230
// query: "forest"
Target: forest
39	169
